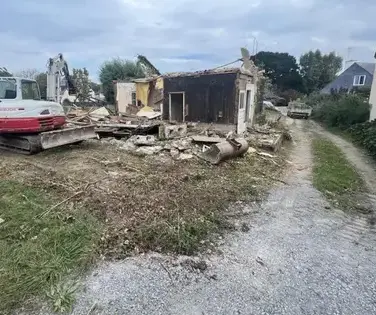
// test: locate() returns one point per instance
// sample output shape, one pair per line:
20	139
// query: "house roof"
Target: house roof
368	66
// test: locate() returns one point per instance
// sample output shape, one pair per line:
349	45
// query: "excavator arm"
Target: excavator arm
58	79
147	66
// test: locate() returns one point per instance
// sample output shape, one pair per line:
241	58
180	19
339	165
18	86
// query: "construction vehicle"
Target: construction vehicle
28	124
297	109
60	85
146	66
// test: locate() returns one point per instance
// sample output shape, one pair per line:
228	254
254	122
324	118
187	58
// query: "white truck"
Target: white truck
297	109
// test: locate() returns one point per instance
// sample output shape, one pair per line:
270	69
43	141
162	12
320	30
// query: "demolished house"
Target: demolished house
224	98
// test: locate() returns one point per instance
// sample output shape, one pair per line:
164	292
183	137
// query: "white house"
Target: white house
372	98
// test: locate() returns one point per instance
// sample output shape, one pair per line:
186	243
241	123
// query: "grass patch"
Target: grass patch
38	252
333	174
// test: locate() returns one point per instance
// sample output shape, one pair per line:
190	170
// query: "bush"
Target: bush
365	134
339	110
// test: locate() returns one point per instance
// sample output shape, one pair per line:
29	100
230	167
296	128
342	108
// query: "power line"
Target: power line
227	64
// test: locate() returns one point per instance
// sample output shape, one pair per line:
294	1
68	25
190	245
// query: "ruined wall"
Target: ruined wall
150	93
243	83
124	95
142	93
209	97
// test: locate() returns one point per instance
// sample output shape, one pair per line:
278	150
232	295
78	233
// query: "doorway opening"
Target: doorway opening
247	105
176	106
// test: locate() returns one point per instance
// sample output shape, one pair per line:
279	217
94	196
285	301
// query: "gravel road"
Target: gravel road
299	257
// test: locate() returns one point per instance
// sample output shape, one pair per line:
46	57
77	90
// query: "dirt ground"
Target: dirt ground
299	256
145	203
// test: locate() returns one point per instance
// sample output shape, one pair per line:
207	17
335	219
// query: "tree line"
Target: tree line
313	72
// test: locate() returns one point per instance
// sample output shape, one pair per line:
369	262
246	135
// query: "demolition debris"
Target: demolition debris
144	134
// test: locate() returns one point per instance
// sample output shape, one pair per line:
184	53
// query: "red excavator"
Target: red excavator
28	124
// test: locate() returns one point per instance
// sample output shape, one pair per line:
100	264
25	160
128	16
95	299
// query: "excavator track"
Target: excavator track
34	143
28	144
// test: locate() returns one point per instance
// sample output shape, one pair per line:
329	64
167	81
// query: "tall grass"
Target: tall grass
37	252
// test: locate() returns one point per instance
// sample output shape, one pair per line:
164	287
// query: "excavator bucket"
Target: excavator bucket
56	138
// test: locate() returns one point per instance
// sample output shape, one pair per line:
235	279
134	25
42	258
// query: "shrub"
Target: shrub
365	134
339	110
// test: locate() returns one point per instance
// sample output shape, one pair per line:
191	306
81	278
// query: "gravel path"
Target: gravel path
299	257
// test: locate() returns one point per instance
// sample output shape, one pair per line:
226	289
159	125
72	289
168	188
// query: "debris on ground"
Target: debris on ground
265	154
260	261
245	227
145	134
108	125
225	150
148	112
99	114
195	264
152	194
206	139
143	140
172	131
266	137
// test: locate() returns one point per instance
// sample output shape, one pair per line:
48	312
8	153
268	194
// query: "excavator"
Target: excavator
29	125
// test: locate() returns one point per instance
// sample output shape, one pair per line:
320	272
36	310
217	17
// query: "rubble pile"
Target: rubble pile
108	125
182	142
266	137
145	134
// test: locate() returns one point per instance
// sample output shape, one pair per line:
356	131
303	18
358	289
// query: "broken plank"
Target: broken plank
126	126
205	139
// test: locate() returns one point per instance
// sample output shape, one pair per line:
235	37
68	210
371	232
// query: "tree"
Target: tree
27	73
41	79
281	68
117	69
95	87
82	82
4	72
318	69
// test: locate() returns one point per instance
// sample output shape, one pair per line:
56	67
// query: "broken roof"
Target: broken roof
146	80
195	73
202	72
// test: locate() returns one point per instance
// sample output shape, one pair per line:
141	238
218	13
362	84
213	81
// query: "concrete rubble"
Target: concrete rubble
266	137
145	134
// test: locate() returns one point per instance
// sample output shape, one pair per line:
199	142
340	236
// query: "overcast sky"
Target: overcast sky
180	34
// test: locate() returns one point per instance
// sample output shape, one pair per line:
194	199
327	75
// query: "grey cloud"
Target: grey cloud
92	31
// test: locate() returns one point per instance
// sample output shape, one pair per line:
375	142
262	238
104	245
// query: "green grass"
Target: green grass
333	174
38	253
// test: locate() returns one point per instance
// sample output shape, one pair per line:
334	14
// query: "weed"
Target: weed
62	296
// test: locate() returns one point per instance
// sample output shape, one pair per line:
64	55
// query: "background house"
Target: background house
358	75
372	98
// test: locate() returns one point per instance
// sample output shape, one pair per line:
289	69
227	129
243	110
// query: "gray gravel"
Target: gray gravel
299	257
